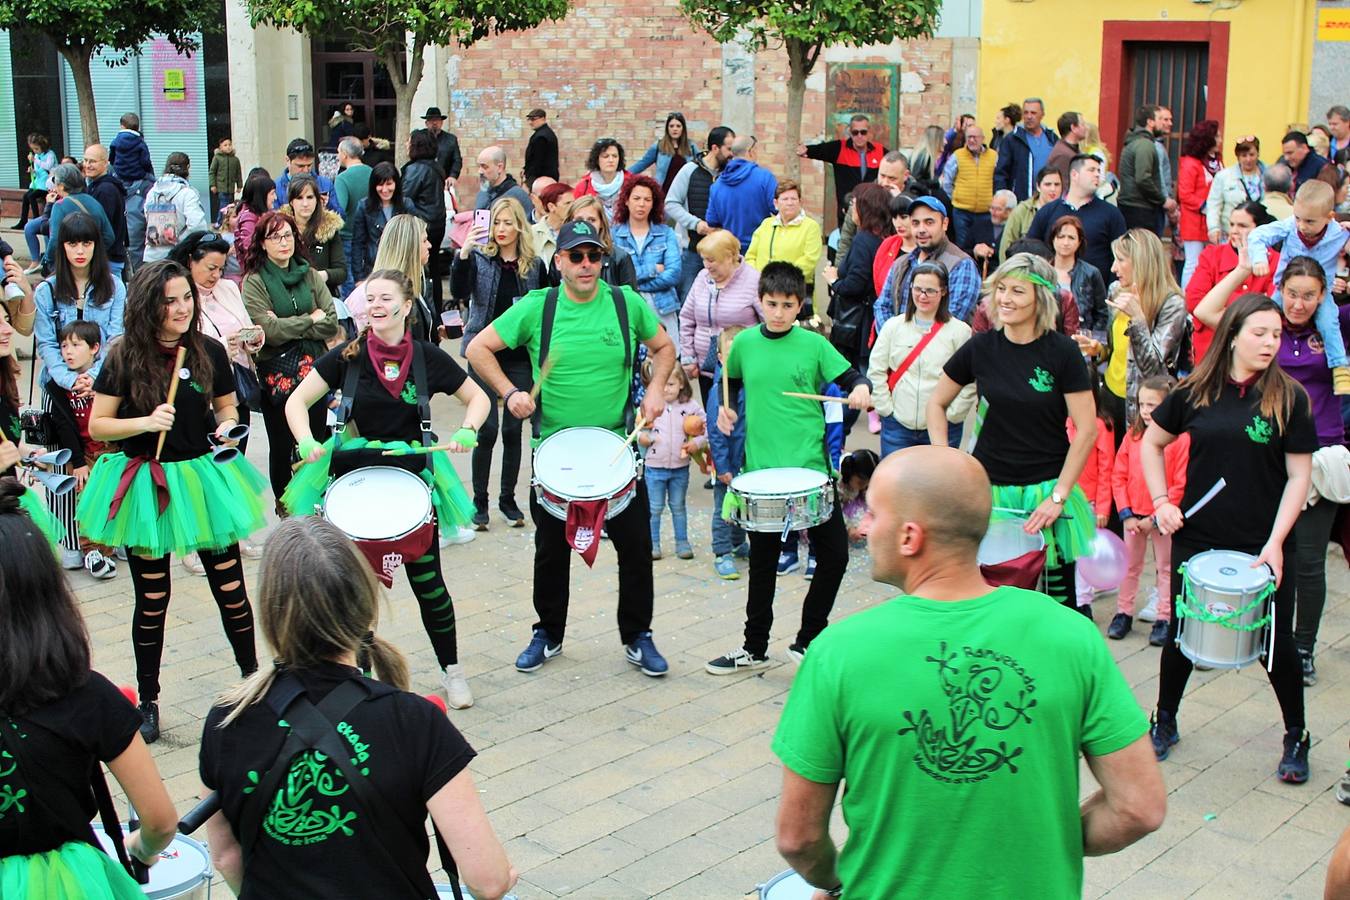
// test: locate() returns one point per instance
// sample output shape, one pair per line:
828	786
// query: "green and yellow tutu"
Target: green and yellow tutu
73	871
30	501
211	505
1068	537
448	497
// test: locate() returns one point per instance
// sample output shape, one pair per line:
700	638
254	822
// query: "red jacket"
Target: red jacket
1216	262
882	262
1096	478
1127	477
1193	181
583	187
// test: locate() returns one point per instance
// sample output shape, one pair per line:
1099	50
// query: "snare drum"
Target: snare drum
786	886
183	870
783	499
387	513
584	464
445	892
1225	611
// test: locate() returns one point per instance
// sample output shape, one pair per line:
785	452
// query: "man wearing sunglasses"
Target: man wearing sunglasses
588	384
855	160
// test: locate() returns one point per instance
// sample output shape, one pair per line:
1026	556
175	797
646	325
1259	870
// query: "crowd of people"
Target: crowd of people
1110	343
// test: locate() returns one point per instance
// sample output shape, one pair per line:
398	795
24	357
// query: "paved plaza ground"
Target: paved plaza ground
603	783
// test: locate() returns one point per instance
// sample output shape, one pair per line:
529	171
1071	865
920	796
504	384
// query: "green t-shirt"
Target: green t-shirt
352	184
784	431
956	728
587	383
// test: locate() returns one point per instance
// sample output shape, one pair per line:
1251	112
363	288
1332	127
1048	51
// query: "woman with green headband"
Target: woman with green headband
1033	380
386	401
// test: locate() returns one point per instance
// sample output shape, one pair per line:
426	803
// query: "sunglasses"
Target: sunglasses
579	256
857	132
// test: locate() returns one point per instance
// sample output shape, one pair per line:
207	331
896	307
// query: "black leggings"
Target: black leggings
1060	584
152	584
281	443
1286	676
1312	531
33	202
433	598
520	374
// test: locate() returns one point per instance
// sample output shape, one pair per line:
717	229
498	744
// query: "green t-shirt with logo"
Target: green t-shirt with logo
956	728
784	431
587	383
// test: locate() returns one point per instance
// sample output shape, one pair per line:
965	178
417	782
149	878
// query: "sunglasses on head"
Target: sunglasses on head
578	256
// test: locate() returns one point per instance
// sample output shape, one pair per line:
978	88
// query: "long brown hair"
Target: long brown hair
137	359
353	348
1206	383
9	373
317	600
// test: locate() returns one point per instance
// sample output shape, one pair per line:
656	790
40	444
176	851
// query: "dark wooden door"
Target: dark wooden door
1173	74
344	74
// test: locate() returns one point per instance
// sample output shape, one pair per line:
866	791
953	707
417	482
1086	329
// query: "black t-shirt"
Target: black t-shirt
194	417
50	753
1230	439
377	414
508	291
317	840
1024	438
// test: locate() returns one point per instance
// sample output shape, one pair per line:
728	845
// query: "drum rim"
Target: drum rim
816	486
426	512
1245	558
778	879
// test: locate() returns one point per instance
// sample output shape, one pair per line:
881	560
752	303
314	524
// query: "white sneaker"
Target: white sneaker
99	566
458	536
457	693
193	564
738	660
71	559
250	550
1150	611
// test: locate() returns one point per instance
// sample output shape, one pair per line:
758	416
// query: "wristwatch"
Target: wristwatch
1056	498
836	891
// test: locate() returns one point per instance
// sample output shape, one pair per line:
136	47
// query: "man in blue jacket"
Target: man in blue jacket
1024	152
742	197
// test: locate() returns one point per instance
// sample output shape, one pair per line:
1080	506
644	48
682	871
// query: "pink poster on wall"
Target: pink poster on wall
176	88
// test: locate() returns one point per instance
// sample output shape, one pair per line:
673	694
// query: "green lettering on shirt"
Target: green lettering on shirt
1043	381
1259	431
300	813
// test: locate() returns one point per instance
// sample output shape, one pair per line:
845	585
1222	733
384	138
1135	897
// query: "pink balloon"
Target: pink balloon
1104	569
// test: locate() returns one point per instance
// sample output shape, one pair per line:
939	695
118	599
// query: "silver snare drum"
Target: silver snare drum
782	499
584	464
1225	611
183	870
786	886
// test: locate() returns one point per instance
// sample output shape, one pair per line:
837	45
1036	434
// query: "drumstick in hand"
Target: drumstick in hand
724	345
173	392
544	372
628	442
820	397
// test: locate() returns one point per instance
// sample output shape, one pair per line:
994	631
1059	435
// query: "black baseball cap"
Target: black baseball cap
575	234
299	147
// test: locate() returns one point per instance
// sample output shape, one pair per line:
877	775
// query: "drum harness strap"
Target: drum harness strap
353	378
546	336
315	728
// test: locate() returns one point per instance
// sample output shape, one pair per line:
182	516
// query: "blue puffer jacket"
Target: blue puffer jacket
728	451
661	247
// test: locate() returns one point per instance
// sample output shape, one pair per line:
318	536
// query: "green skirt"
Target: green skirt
451	501
1068	537
30	501
211	506
73	871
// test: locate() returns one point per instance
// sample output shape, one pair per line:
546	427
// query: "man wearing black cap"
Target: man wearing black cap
447	145
592	330
541	153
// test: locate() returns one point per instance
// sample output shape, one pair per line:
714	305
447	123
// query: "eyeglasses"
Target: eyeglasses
926	291
579	256
281	237
858	132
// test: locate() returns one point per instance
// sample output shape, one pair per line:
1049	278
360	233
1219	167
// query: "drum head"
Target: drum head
182	865
580	464
377	502
785	480
786	886
1227	572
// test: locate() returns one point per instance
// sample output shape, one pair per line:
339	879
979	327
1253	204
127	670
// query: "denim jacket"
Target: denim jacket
475	279
53	316
661	247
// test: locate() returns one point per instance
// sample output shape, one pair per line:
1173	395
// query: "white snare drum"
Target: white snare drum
387	513
183	870
1226	615
445	892
786	886
584	464
783	499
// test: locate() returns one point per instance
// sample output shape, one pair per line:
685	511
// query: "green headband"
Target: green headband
1028	275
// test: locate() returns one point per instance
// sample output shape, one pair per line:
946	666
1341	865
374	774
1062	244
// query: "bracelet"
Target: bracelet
1162	497
509	394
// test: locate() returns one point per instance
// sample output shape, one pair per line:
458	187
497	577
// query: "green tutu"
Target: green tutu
74	871
451	501
211	506
30	501
1068	537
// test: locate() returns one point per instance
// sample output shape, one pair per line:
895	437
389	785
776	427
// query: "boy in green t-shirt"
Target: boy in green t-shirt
786	432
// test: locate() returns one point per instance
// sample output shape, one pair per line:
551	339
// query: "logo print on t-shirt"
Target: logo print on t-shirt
409	394
1042	381
301	812
10	796
987	692
1259	431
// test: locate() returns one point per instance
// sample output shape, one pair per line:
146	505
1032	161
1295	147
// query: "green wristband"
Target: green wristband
308	446
466	437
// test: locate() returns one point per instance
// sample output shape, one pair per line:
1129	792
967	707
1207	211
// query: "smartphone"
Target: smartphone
250	334
483	218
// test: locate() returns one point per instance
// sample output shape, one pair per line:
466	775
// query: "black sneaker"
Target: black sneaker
1120	626
1294	763
150	722
1163	731
1309	668
514	517
1158	635
480	514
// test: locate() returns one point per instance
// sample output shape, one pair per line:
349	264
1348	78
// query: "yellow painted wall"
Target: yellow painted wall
1053	49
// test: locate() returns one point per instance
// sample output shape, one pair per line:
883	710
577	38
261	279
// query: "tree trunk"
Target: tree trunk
78	59
799	66
405	83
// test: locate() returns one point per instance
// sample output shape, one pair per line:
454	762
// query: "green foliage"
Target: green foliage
85	26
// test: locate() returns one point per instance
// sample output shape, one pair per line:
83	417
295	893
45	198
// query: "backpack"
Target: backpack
164	220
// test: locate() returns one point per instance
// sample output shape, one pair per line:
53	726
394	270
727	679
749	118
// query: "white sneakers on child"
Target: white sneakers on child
1150	611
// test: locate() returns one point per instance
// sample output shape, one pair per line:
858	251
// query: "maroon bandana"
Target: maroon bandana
1244	384
392	362
585	518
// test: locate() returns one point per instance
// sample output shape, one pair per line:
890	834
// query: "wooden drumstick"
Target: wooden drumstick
173	392
820	397
544	372
628	442
724	345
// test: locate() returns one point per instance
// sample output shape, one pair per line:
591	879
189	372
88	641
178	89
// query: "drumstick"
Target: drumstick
820	397
173	392
723	346
628	442
544	372
412	451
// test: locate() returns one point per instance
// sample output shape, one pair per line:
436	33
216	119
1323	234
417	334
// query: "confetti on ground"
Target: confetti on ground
1210	817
